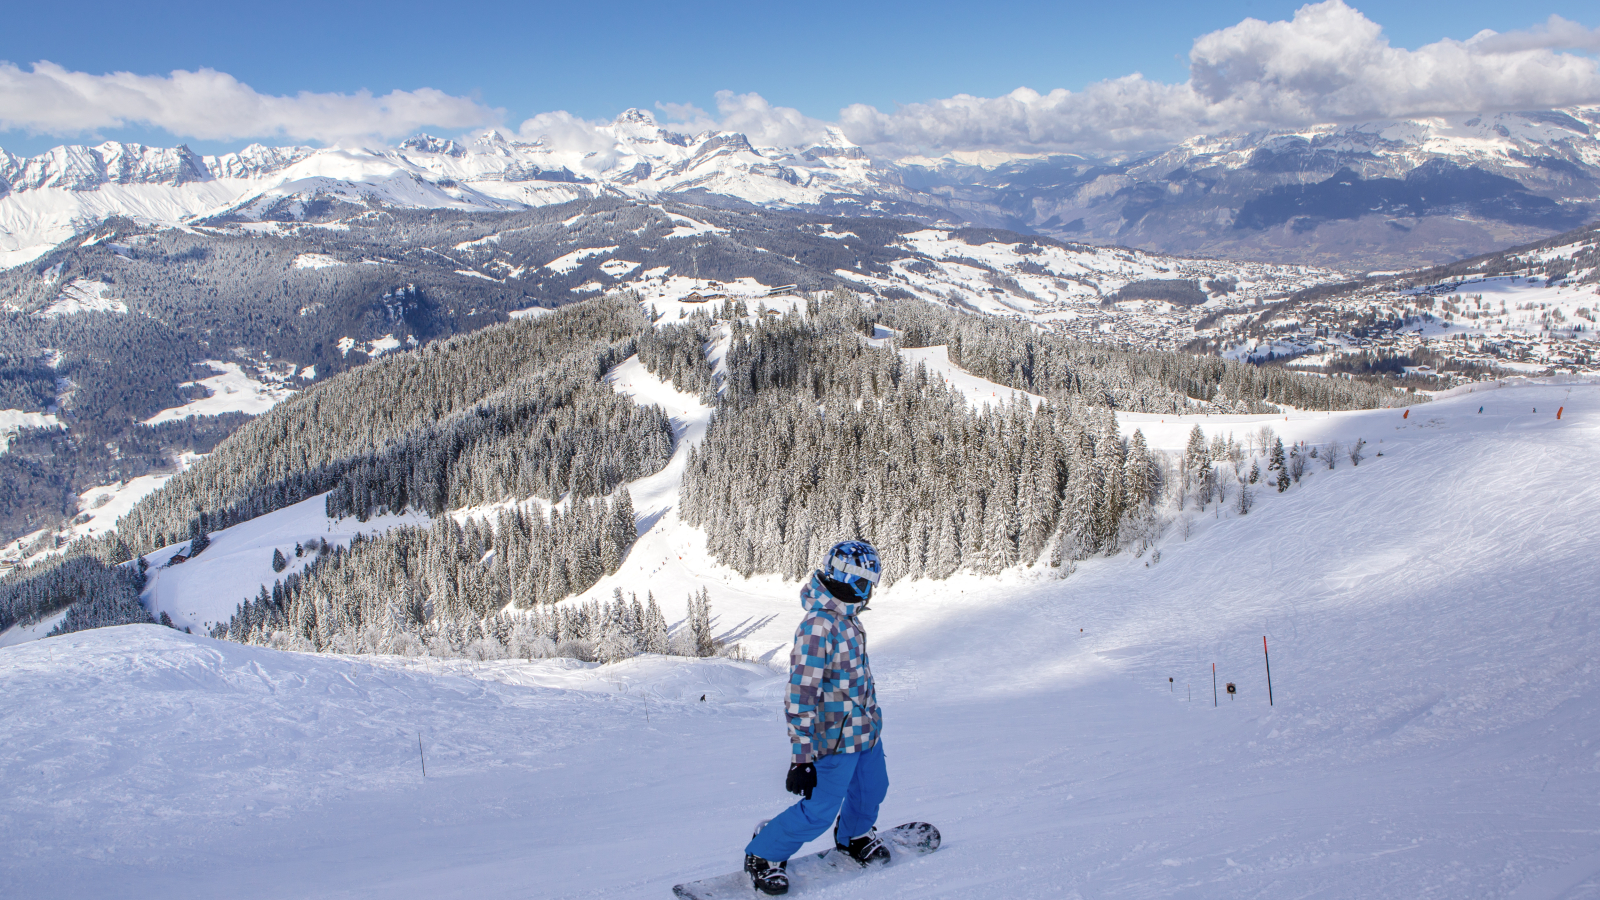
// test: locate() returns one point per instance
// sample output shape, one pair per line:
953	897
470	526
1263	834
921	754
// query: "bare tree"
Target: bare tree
1331	457
1356	456
1265	437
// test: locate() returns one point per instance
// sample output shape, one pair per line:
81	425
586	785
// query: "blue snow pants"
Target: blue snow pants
858	780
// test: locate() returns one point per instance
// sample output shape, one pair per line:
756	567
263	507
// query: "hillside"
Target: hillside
121	334
1528	309
1430	734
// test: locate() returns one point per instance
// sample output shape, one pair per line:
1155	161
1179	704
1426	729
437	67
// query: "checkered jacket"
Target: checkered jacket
832	707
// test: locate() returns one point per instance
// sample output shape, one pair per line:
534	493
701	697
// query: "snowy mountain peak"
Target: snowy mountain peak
427	143
636	116
81	168
256	161
1396	146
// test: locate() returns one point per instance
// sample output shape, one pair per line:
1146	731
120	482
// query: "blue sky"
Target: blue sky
594	60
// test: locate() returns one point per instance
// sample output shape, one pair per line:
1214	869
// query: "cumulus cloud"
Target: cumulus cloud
212	105
751	115
1329	63
1333	63
767	125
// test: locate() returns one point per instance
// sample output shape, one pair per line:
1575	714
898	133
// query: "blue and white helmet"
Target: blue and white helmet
854	565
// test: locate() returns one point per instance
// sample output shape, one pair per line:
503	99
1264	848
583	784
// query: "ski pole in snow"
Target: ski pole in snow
1213	685
422	757
1268	657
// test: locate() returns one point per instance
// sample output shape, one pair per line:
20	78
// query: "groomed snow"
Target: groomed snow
230	390
978	391
21	634
1434	731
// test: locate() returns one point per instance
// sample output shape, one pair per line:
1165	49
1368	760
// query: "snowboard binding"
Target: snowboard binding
767	877
866	850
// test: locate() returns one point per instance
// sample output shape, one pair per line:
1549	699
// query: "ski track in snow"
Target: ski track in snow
1435	731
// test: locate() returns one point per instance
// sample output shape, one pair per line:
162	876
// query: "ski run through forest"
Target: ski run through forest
553	563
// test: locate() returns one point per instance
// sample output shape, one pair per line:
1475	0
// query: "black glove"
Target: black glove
802	778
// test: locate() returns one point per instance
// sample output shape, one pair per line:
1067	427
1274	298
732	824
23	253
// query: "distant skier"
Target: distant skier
834	725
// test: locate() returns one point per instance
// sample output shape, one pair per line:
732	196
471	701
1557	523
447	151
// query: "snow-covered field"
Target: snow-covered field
1509	304
229	390
1429	617
14	420
101	506
207	588
84	295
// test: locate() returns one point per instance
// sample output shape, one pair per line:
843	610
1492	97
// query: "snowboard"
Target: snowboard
818	869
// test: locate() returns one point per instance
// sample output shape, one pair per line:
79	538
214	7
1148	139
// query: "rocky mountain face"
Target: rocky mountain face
79	168
1359	196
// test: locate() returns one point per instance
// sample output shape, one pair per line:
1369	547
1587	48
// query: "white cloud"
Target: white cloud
767	125
682	112
1332	63
1329	63
212	105
749	114
1556	33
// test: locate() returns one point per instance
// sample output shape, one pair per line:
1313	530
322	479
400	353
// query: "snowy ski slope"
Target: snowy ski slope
1436	730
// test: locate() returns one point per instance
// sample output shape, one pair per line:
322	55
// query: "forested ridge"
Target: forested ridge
819	433
419	429
440	588
1023	356
820	436
514	411
297	301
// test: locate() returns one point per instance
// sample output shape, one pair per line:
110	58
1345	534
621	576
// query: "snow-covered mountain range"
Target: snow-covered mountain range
49	198
1365	195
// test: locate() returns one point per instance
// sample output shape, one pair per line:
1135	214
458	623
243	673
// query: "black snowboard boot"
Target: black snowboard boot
868	850
766	877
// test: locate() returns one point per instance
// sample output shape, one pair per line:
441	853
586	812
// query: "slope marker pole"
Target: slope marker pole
1213	684
421	756
1268	657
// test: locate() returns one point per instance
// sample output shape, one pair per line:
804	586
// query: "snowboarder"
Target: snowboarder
836	755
